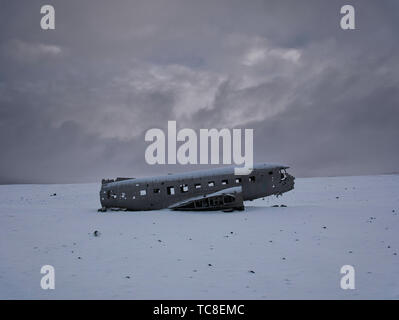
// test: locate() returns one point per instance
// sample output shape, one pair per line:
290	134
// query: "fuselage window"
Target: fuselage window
252	179
143	192
157	190
211	183
111	195
170	190
198	186
184	188
225	182
238	180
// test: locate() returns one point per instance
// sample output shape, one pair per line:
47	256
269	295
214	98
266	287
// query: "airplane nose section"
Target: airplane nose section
292	181
289	183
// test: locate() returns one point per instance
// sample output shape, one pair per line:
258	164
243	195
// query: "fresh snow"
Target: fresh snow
264	252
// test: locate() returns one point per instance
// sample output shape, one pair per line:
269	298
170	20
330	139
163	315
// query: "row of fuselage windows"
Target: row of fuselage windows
171	190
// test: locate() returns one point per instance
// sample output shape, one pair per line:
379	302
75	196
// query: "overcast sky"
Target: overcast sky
75	102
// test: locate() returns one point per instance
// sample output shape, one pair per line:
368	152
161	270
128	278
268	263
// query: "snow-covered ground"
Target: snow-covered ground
295	251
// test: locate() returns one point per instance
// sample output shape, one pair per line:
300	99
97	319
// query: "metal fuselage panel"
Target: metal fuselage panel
162	192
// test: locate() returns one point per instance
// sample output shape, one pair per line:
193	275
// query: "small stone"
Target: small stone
209	265
251	271
96	233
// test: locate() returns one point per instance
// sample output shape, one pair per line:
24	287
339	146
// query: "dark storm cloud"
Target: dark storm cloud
75	102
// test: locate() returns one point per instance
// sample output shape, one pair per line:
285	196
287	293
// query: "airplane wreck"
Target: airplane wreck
214	189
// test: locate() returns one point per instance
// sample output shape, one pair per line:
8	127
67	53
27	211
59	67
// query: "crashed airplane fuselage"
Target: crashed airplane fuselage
215	189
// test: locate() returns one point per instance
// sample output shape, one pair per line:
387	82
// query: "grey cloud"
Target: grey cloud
75	102
30	52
